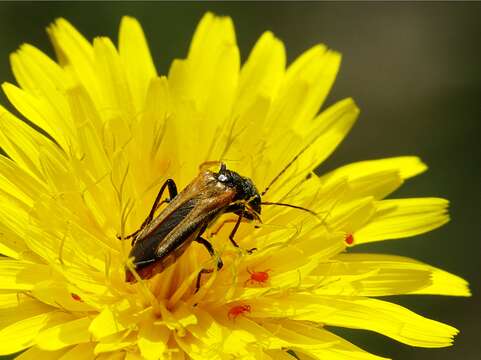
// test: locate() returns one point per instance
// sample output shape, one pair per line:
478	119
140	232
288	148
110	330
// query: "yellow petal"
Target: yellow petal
115	355
8	300
306	85
76	54
38	111
91	286
133	356
105	324
34	353
401	218
36	73
207	330
79	352
444	283
89	131
65	334
16	307
213	60
155	135
207	80
56	293
113	320
21	334
13	219
279	355
57	239
235	342
116	97
69	43
391	320
307	341
384	275
407	166
21	142
359	313
152	340
262	72
46	82
329	129
196	350
136	59
338	349
306	153
19	183
18	275
115	342
351	216
377	178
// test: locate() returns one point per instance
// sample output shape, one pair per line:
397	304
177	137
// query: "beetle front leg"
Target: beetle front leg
210	249
216	231
233	232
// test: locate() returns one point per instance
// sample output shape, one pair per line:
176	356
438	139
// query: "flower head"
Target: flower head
114	131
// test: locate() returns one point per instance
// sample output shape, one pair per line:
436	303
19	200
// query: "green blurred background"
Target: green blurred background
413	68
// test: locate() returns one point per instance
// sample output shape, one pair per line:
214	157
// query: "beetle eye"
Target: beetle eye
222	178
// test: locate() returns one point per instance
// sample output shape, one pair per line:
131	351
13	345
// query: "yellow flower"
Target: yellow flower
116	131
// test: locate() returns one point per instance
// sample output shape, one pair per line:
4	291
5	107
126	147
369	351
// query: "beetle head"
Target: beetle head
245	190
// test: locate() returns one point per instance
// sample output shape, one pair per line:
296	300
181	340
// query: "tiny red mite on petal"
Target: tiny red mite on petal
237	310
76	297
259	277
349	239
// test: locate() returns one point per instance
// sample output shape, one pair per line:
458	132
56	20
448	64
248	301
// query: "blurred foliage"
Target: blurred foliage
413	68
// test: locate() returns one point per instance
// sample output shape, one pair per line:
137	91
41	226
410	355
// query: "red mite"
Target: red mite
76	297
237	310
259	277
349	239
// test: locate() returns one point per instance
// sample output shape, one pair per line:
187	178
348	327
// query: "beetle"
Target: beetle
162	239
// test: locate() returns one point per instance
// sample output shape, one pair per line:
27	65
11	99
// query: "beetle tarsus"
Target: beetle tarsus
128	236
251	250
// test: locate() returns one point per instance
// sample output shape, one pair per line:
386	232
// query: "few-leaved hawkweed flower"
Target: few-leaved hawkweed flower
116	130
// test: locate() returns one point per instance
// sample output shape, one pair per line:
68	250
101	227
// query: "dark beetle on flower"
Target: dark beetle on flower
162	239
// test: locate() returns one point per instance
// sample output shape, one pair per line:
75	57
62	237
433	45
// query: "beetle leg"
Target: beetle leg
234	230
129	236
170	184
216	231
199	276
210	249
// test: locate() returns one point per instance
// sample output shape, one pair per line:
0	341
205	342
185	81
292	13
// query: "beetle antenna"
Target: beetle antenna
291	206
286	167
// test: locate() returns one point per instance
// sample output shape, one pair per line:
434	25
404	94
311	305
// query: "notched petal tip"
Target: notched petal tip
412	166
